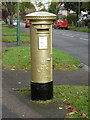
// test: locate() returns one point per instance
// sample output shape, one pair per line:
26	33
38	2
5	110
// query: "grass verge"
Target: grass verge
79	29
19	58
75	98
10	34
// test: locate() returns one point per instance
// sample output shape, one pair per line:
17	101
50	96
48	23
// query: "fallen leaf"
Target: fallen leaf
71	113
69	107
69	103
60	108
68	98
74	96
83	115
12	69
64	100
72	110
77	92
63	94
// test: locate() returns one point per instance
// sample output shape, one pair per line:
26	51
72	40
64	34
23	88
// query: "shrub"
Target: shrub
64	18
72	19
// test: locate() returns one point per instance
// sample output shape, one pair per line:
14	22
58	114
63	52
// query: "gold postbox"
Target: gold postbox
41	54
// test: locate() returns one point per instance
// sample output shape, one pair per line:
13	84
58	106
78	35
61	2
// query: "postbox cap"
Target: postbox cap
41	15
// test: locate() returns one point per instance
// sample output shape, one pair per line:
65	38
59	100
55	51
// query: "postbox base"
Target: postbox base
41	91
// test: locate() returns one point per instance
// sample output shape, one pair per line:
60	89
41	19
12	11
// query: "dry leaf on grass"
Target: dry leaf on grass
71	113
83	115
63	94
72	110
60	108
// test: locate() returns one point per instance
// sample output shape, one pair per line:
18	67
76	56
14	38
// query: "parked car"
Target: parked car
61	24
15	22
27	23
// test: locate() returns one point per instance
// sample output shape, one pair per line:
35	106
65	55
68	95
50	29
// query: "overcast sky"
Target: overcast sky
43	1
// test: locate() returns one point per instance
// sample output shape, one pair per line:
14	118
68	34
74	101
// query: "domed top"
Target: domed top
41	15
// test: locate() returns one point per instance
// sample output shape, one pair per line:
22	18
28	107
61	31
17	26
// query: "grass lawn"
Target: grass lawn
75	99
13	38
79	29
10	35
19	58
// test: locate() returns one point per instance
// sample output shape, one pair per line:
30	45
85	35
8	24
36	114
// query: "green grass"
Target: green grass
19	58
4	25
10	34
75	99
14	38
63	61
79	29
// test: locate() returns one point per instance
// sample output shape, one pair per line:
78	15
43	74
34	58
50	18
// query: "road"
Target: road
72	42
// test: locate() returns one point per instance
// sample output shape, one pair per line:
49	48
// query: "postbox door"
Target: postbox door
42	56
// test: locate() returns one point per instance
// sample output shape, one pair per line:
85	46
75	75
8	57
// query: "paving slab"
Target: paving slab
16	106
13	78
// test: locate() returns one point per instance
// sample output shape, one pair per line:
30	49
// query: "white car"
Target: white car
15	22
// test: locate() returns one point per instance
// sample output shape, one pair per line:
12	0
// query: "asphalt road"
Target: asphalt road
72	42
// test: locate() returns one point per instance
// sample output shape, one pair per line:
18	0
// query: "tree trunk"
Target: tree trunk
5	20
11	20
77	15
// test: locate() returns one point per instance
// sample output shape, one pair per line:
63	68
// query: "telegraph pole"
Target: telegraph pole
79	13
18	23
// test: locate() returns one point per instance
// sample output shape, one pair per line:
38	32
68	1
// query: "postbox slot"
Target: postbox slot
46	30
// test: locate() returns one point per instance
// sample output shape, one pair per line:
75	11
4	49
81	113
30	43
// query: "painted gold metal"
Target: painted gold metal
41	46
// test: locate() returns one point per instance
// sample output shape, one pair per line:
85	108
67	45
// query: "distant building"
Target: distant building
63	12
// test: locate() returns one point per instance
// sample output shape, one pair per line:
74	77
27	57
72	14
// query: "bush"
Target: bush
63	18
86	22
72	19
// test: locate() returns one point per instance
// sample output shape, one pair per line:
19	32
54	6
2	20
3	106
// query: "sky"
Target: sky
43	1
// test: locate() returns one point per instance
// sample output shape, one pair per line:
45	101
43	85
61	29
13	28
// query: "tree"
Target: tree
86	6
26	5
40	6
53	7
5	15
10	8
73	6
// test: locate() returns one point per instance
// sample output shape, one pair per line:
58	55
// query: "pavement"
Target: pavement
16	106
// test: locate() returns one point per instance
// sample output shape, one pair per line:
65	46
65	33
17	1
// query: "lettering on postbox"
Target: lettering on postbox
43	42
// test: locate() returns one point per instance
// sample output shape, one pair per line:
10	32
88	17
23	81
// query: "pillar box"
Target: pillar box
41	55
